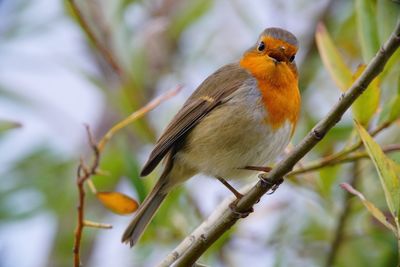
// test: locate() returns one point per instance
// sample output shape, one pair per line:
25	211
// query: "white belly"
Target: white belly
233	136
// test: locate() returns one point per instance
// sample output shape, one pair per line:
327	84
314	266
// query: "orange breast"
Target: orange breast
279	88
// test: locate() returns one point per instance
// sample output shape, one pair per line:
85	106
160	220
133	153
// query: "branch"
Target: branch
339	155
188	241
136	115
108	56
84	172
202	239
332	161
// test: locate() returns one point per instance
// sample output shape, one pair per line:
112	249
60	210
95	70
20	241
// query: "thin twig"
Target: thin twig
358	144
137	115
84	172
203	238
340	160
108	56
97	225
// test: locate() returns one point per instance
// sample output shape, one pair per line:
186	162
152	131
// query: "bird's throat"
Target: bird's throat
281	101
278	85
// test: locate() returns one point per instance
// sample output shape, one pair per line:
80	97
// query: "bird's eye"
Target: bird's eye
291	58
261	46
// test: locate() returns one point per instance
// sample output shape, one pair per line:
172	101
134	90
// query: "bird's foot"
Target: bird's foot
237	194
273	185
239	214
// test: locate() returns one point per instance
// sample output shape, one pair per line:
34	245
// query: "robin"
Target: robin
241	117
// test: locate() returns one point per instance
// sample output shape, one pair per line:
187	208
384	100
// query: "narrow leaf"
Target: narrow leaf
391	111
387	13
8	125
332	59
117	202
377	213
389	177
189	15
367	104
367	29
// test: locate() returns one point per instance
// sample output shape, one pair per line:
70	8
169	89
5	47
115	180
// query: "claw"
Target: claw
239	214
271	184
275	186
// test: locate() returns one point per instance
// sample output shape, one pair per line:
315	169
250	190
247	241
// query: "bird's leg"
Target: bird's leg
257	168
237	194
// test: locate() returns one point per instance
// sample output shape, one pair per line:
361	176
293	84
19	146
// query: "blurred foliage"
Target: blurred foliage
145	38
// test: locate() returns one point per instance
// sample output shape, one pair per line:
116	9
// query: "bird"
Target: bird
238	120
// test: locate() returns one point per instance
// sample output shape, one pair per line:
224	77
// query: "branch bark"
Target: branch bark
202	238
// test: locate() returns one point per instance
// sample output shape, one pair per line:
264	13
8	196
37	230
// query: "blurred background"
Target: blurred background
53	80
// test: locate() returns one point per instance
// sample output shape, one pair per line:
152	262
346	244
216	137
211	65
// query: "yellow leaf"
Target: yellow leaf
377	213
387	170
391	110
367	28
367	104
332	59
117	202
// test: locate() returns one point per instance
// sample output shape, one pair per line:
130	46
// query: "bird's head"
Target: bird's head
275	50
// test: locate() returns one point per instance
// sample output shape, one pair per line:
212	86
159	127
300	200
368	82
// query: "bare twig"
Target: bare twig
97	225
340	160
347	150
107	54
84	172
202	239
136	115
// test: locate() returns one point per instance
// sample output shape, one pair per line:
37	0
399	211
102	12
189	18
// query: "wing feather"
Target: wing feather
215	90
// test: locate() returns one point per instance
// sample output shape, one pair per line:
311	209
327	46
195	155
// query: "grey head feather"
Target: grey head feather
281	34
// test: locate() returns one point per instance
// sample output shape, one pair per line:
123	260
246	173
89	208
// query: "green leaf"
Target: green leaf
327	178
391	111
133	169
8	125
377	213
367	104
122	6
332	59
189	14
389	177
367	29
387	13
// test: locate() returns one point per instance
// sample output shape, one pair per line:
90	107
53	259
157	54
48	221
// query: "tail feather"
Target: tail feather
144	215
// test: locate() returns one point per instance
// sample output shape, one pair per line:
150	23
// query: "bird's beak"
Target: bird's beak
277	56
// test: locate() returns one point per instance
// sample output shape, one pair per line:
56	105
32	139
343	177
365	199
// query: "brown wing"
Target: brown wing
212	92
